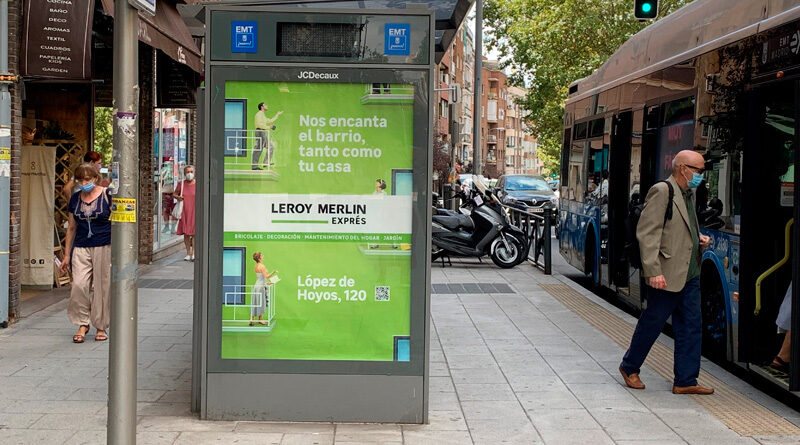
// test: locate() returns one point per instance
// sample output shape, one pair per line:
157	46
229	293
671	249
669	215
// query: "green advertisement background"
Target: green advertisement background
326	330
325	100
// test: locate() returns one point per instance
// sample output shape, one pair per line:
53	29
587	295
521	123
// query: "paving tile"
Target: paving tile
559	398
216	437
307	439
441	384
578	437
443	401
490	374
285	427
425	437
510	431
562	419
13	436
17	420
483	410
74	421
632	425
485	391
168	423
163	409
441	421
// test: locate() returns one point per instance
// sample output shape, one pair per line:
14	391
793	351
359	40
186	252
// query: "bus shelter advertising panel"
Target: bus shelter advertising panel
317	220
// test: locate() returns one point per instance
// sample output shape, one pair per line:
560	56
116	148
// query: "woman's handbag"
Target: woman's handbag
177	211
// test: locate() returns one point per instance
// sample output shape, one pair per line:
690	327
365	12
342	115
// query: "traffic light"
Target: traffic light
645	9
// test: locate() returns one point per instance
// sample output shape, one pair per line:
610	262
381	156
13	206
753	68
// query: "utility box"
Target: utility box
312	302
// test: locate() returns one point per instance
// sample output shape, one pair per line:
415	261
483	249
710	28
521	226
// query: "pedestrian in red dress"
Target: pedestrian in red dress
185	193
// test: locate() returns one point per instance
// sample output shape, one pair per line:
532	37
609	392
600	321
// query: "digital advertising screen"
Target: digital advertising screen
317	221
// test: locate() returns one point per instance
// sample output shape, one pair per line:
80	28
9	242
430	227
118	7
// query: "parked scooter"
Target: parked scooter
481	228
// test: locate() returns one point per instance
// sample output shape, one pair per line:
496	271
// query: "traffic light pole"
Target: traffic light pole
477	166
124	235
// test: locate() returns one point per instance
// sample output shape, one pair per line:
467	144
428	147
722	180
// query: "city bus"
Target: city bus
721	78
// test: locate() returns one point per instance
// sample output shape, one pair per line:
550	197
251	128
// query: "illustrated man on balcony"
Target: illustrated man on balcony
263	124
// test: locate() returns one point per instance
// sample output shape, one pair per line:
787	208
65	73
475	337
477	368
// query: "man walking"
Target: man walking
670	249
263	124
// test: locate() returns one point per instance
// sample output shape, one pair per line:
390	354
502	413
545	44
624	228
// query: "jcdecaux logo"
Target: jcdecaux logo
313	75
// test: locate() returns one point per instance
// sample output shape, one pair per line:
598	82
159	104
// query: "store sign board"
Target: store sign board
56	39
176	84
148	6
318	192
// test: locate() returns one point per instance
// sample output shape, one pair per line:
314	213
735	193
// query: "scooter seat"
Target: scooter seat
455	222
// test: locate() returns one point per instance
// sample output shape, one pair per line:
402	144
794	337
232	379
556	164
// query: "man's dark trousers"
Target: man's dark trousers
684	306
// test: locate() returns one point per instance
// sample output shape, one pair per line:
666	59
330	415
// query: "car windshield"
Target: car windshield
527	183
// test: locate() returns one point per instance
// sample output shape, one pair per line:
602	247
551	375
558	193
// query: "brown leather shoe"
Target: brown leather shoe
633	380
696	389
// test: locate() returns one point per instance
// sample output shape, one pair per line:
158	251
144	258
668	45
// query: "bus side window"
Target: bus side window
565	146
718	198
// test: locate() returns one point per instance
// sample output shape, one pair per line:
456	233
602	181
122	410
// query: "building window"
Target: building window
443	109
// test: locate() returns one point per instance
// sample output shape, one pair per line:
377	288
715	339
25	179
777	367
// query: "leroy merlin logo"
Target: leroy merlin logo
313	75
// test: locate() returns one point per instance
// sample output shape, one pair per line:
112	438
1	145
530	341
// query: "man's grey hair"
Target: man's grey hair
674	162
186	167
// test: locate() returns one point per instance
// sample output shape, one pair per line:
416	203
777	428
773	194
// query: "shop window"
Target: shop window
235	127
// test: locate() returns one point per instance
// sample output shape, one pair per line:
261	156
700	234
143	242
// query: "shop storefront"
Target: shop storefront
171	154
54	125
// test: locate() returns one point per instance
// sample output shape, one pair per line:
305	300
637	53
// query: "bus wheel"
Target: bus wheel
715	322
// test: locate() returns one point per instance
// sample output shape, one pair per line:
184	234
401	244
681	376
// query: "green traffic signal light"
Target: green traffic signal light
645	9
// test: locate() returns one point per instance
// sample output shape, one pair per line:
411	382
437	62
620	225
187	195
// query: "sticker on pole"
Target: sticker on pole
123	210
244	37
5	154
397	39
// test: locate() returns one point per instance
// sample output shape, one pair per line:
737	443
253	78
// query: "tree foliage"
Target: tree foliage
551	43
103	132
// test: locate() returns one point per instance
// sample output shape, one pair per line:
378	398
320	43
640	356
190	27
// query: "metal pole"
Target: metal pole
477	166
124	235
547	239
5	165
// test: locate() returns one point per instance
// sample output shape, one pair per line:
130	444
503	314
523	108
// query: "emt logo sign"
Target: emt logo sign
398	39
244	37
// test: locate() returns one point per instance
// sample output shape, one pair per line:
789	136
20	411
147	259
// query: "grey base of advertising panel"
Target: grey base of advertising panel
315	397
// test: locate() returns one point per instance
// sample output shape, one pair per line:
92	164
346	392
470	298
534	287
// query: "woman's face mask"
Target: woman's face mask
189	176
86	188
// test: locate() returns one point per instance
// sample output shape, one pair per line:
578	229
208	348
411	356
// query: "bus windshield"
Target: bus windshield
527	183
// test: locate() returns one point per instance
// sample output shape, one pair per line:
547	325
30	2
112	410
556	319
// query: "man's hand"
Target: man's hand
658	282
704	241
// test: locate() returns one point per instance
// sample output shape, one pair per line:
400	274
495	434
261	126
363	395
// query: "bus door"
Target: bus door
769	229
618	191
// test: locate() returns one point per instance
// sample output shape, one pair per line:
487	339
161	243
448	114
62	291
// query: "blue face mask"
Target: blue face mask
86	188
697	178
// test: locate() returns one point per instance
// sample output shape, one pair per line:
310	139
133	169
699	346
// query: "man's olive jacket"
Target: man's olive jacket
666	248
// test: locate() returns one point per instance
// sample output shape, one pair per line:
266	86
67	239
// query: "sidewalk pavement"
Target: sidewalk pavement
515	367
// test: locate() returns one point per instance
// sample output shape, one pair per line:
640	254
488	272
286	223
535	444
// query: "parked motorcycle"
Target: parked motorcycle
480	228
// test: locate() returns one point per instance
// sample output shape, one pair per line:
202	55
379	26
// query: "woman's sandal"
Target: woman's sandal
100	336
779	364
80	338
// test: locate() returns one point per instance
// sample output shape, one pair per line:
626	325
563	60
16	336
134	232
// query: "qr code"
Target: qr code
381	293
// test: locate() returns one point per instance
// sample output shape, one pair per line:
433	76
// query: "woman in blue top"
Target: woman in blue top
88	251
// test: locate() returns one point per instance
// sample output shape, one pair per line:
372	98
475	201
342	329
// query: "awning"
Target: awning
167	32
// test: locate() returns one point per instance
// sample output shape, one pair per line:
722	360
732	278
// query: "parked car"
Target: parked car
527	192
